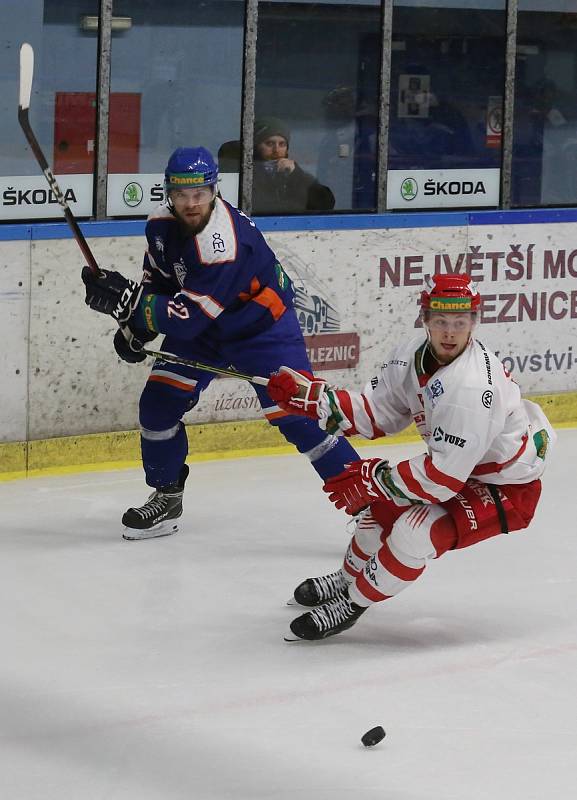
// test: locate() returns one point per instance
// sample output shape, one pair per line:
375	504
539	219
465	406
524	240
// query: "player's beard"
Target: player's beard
193	229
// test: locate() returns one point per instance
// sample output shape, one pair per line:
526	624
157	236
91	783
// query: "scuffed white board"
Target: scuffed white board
14	305
78	385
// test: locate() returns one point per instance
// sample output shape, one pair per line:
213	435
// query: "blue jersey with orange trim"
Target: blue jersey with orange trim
225	281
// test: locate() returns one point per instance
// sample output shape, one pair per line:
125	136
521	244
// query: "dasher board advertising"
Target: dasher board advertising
24	197
138	194
446	188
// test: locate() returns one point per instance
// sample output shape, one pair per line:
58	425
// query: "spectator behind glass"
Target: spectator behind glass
280	186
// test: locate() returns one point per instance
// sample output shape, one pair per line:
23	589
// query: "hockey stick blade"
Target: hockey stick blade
26	73
229	373
26	77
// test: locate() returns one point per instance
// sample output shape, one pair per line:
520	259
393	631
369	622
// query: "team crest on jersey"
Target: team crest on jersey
434	391
283	279
218	245
180	271
541	440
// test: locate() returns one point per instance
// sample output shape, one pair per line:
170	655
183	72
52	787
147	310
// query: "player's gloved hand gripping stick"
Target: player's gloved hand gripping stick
106	291
297	392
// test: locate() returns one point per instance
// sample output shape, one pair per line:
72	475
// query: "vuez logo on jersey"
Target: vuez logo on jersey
439	435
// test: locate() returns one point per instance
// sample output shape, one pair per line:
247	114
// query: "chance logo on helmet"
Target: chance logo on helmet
190	168
450	293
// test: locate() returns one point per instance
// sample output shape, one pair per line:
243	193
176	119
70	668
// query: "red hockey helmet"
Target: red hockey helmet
450	293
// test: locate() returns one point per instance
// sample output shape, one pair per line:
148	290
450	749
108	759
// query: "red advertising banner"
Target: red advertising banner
333	350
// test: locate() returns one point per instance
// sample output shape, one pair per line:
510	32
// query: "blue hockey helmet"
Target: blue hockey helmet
190	168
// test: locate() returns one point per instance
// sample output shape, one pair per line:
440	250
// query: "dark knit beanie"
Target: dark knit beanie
269	126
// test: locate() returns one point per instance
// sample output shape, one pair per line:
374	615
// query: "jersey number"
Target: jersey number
179	310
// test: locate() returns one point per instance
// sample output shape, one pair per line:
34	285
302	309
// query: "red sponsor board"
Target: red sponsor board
333	350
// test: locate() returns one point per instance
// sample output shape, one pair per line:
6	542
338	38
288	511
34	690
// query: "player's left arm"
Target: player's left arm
458	442
184	315
375	412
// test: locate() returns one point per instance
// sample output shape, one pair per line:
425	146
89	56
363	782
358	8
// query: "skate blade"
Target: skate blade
164	529
289	636
292	602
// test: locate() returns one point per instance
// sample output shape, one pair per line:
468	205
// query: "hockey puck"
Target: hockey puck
373	737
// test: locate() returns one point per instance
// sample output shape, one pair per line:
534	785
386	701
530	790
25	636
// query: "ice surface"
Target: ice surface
155	670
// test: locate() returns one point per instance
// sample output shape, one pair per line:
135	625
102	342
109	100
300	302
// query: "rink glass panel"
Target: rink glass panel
447	84
179	70
545	132
64	75
317	70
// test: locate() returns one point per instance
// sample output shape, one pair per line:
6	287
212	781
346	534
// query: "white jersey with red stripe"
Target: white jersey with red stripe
470	413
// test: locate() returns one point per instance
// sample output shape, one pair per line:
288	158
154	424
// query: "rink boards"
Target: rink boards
67	401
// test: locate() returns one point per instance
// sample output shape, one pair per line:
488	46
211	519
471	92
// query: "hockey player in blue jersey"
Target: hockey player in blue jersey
214	288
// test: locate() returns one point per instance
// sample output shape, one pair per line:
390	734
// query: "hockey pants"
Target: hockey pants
391	543
174	389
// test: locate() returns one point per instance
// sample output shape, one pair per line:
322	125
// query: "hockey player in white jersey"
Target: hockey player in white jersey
480	475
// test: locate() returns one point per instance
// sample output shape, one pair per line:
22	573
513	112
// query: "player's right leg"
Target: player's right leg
368	534
171	390
418	534
421	533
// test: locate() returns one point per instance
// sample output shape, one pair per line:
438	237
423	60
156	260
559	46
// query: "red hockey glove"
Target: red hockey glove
297	392
359	485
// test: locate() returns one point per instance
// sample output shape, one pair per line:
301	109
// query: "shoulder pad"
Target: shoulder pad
218	242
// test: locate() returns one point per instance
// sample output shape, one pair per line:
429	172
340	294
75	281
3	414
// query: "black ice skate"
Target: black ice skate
333	617
315	591
158	516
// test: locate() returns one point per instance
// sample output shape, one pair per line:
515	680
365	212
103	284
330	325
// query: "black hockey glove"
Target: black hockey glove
128	343
111	293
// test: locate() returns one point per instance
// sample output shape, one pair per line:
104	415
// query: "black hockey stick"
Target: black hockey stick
26	75
229	373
